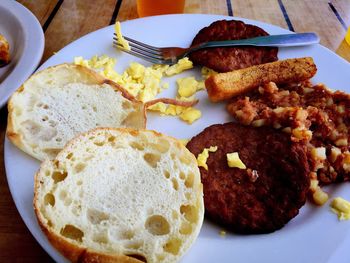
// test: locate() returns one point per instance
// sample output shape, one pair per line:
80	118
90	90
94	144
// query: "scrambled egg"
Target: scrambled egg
142	82
188	86
234	161
207	72
121	40
145	83
341	207
190	115
180	66
202	157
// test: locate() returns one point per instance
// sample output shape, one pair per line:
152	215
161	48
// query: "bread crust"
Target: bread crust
76	73
224	86
76	253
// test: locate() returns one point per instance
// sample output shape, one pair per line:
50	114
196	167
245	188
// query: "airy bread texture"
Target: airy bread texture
56	104
120	195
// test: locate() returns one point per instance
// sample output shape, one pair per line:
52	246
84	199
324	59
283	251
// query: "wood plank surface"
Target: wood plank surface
327	26
343	8
267	11
218	7
40	8
67	20
74	19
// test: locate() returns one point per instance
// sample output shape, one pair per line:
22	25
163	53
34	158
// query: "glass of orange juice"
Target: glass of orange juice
347	36
159	7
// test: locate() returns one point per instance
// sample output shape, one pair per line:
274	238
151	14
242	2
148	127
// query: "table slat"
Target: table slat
74	19
305	17
343	8
267	11
40	8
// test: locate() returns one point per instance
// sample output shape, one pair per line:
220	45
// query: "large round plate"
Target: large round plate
26	39
315	235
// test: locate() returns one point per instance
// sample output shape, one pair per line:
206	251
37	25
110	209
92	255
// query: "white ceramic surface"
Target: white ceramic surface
315	235
26	38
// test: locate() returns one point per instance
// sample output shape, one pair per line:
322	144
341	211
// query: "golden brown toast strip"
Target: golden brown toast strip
223	86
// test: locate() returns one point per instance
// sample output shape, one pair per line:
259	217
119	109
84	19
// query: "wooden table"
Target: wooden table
65	21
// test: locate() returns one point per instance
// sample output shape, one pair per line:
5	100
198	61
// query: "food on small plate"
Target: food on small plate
307	112
4	51
224	59
224	86
264	194
56	104
120	195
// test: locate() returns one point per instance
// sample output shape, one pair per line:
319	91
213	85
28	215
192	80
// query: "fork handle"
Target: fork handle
286	40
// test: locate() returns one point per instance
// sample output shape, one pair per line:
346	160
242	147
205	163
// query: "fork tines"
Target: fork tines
142	50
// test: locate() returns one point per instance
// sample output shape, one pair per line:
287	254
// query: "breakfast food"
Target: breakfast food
341	207
268	193
4	51
120	195
57	103
310	113
121	41
231	58
145	83
224	86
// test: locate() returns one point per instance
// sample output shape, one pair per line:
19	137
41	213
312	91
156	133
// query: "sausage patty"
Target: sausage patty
231	58
268	193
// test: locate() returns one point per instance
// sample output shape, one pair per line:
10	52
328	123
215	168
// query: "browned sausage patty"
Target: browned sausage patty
266	195
231	58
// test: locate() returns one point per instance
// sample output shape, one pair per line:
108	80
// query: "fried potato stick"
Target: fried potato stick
224	86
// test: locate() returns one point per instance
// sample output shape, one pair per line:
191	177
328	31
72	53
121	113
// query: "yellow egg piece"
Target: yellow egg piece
341	207
190	115
234	161
203	156
182	65
121	40
187	86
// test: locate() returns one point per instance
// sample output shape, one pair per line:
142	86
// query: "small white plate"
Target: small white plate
315	235
26	38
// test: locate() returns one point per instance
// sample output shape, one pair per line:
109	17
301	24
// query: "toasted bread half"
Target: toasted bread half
54	105
120	195
224	86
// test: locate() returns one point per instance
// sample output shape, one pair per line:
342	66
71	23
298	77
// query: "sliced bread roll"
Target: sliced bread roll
54	105
120	195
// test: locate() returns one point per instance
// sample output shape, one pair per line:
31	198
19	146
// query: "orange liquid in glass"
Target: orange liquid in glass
159	7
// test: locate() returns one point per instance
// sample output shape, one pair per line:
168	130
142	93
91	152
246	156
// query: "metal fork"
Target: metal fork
170	55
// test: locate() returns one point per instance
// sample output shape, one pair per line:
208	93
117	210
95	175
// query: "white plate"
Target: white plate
315	235
26	38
